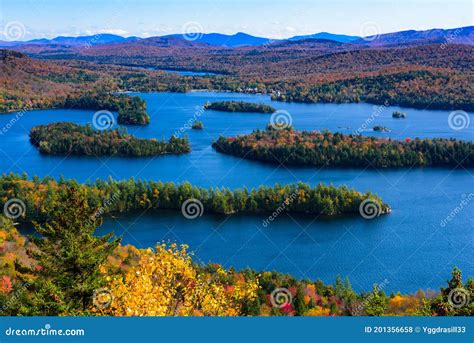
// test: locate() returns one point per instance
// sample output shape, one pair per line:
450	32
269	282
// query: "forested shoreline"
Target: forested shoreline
73	139
398	89
313	148
68	270
131	195
440	78
239	106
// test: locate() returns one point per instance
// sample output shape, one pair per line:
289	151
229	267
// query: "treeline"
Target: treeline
133	195
131	109
72	139
68	270
315	298
417	89
238	106
314	148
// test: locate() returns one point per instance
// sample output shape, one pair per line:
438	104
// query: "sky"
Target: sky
29	19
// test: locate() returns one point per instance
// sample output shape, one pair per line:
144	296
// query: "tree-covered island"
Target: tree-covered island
73	139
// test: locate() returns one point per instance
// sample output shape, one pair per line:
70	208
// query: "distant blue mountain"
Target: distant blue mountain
239	39
462	35
101	38
328	36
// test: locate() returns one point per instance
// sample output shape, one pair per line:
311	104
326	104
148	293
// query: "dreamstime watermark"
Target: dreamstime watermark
466	199
377	111
279	30
14	120
192	208
102	298
102	209
280	209
459	120
450	38
46	331
370	31
458	297
14	297
192	31
14	30
103	120
199	110
281	120
370	208
90	43
359	309
281	297
14	208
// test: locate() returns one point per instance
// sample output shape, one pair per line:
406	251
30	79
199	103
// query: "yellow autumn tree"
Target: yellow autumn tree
167	283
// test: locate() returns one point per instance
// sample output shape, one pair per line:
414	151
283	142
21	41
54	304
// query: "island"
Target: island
197	125
239	106
379	128
399	115
313	148
73	139
133	112
327	200
131	109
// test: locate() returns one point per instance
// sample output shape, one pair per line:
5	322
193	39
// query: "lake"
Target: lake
409	249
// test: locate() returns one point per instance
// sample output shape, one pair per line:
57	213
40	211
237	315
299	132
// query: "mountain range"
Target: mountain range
462	35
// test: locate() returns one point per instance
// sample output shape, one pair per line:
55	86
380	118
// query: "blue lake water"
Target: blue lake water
409	248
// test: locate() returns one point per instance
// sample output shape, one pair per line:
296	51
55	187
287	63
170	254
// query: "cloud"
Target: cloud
115	31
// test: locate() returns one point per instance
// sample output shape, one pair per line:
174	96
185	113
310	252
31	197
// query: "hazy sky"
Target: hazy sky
269	18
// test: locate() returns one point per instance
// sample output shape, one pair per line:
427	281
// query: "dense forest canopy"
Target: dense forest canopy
69	270
306	71
73	139
133	195
239	106
287	146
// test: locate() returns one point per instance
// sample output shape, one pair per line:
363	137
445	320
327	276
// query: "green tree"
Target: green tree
299	303
70	256
376	302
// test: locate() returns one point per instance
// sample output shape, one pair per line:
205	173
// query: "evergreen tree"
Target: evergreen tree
299	303
70	256
376	302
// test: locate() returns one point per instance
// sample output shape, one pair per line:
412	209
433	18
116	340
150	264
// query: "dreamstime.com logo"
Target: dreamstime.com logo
102	298
192	31
14	297
14	120
458	297
451	38
280	209
192	208
104	208
281	120
103	120
199	110
46	331
370	208
376	112
14	30
359	308
459	120
370	31
14	208
281	297
466	199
